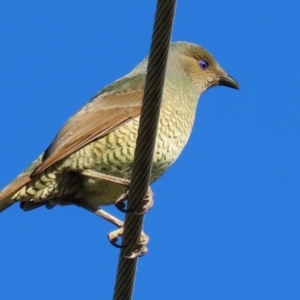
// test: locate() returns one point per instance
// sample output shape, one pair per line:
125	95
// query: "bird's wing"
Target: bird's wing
12	188
117	104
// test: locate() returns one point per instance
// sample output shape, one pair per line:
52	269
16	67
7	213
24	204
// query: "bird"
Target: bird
89	162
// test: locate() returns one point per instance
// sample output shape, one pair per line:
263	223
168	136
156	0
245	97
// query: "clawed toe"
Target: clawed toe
120	203
114	235
148	200
141	248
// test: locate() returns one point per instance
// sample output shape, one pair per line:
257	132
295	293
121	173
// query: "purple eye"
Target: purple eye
203	64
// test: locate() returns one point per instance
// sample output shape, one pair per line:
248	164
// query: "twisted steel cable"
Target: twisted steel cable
142	164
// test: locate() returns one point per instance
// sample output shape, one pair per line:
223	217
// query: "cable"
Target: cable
142	163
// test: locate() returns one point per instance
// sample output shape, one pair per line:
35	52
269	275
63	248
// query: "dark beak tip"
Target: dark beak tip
229	81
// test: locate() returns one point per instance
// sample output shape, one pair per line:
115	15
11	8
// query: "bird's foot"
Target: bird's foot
141	248
148	202
120	202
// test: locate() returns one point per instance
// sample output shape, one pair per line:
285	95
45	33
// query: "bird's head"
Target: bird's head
197	65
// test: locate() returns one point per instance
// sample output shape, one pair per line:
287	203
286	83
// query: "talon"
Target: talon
144	239
113	237
149	202
139	252
120	203
115	244
141	249
120	206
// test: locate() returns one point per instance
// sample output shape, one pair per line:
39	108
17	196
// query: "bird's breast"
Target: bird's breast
114	153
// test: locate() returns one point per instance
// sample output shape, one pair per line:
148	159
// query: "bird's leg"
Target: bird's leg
114	235
148	199
102	214
102	176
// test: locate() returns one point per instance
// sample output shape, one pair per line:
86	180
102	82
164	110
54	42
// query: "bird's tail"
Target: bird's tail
7	193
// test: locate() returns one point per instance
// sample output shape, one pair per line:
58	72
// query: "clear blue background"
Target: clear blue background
225	224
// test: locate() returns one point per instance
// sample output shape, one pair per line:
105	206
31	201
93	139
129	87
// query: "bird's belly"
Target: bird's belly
102	192
114	154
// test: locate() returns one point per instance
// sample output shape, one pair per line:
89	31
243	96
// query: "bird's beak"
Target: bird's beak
229	81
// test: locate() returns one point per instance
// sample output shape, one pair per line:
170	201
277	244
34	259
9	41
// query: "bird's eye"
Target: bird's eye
203	64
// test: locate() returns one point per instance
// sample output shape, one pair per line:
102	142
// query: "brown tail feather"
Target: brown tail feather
12	188
4	206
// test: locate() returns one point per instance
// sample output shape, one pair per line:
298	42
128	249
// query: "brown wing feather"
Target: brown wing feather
12	188
113	107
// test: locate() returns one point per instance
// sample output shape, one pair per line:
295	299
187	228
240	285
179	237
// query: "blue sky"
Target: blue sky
225	224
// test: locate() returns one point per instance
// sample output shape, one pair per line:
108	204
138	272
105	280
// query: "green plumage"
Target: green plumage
108	148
